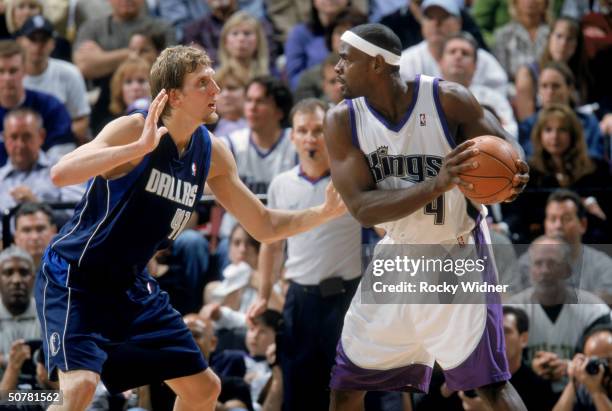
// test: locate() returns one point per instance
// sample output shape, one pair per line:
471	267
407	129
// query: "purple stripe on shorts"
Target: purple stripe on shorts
487	364
348	376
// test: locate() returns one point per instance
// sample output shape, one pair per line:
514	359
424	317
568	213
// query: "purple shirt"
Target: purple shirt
303	49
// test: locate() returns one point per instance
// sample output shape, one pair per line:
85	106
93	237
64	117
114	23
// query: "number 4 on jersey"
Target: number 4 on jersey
436	208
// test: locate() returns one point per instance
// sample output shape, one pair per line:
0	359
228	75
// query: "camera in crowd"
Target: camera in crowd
593	364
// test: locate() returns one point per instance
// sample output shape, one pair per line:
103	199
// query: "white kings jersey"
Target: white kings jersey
257	168
404	154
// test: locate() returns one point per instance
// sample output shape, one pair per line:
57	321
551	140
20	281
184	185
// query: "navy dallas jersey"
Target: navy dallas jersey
120	223
99	308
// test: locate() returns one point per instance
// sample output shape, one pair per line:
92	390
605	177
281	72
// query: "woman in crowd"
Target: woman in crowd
243	46
230	102
560	160
523	39
17	12
556	86
130	88
565	45
305	44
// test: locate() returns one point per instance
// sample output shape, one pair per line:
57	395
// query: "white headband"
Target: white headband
369	48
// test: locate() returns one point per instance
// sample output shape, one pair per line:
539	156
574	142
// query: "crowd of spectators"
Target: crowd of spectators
67	68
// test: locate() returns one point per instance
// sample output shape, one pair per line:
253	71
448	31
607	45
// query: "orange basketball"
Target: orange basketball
492	180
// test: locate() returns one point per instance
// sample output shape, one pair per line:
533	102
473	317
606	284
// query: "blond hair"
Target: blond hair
171	68
10	9
132	65
260	62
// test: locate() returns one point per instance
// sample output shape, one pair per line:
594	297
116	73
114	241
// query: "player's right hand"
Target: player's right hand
151	134
255	309
455	163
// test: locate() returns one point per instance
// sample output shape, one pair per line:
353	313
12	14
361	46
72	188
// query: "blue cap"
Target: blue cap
451	6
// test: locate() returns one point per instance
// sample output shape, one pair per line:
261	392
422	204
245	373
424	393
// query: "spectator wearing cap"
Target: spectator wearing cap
56	77
102	45
322	266
13	94
442	18
227	301
26	175
406	23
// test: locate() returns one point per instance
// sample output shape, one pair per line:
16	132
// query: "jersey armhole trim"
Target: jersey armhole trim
352	121
441	115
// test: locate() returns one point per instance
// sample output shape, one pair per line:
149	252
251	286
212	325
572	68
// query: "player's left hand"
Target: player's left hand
519	182
333	206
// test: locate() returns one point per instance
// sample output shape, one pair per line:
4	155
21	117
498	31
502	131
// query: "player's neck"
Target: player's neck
266	136
392	99
180	129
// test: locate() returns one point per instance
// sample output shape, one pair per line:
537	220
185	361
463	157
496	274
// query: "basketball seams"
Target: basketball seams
503	154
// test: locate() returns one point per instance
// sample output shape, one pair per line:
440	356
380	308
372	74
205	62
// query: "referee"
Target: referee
323	268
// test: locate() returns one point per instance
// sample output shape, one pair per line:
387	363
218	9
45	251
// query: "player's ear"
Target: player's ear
174	97
378	64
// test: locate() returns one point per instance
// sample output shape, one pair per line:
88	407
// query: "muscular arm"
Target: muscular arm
114	146
264	224
352	178
466	117
118	148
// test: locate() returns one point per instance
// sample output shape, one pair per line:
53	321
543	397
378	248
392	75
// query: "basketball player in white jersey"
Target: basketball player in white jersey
397	149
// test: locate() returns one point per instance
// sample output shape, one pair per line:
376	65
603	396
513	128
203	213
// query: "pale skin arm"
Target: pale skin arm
95	62
263	224
118	148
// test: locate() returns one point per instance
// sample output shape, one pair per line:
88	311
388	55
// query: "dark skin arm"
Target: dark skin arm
353	180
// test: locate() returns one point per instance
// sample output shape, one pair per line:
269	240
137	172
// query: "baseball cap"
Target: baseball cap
37	23
236	276
451	6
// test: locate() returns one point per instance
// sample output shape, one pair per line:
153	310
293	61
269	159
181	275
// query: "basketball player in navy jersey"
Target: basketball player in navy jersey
102	315
397	149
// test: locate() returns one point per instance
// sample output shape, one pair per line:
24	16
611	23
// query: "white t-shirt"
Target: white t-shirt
330	250
418	60
64	81
487	96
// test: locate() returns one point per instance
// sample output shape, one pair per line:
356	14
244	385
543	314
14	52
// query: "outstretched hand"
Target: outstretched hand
151	133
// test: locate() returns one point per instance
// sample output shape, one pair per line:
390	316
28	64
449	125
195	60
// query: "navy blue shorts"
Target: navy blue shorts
130	337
